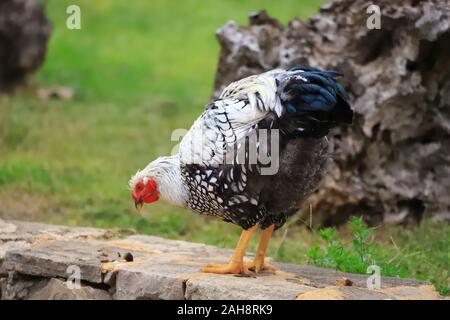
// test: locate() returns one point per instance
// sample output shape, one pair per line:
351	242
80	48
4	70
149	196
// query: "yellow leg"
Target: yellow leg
258	264
236	264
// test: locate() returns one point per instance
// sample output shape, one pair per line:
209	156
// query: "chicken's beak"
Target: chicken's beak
139	204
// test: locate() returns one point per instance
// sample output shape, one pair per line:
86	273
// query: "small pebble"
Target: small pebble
345	282
128	257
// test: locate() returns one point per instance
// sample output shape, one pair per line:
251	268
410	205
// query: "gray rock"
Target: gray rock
228	287
321	278
164	267
24	33
15	286
158	268
53	260
18	286
18	234
56	289
154	282
32	232
6	227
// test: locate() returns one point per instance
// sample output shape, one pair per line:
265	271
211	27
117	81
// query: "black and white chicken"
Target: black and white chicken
253	155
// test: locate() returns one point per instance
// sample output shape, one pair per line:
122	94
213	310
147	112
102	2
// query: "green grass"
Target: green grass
139	70
163	49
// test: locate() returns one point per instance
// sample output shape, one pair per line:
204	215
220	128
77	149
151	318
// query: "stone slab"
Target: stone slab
36	259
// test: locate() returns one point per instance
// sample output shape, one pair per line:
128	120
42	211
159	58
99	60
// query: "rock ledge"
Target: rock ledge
39	261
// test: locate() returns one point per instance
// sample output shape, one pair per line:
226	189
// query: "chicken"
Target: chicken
253	155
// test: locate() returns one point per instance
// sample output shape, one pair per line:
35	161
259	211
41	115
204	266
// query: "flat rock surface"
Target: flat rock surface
38	261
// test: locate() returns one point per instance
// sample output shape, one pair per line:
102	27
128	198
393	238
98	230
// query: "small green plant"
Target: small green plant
355	258
362	239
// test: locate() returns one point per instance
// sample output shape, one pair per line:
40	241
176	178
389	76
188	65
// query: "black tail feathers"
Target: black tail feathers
314	102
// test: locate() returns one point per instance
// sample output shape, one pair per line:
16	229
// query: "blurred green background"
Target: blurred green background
140	69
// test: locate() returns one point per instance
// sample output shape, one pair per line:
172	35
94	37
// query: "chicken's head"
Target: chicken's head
144	191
